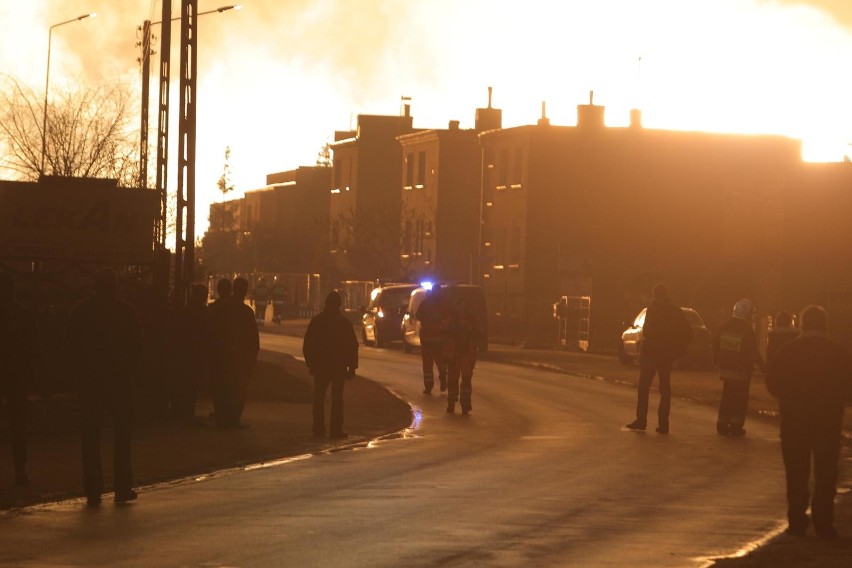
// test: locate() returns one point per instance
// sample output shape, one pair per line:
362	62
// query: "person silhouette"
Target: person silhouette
219	362
811	376
463	334
331	354
434	315
104	343
19	353
666	336
244	348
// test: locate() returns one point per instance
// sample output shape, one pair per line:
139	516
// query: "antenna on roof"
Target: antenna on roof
489	96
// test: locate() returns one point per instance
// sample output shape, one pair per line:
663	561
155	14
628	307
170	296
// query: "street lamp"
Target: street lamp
47	82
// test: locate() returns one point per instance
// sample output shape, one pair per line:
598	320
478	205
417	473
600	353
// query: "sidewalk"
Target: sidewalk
278	414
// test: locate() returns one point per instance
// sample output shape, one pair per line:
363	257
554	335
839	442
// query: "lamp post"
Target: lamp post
47	83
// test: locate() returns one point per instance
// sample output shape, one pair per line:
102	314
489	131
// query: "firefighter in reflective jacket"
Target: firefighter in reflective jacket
736	351
434	317
463	333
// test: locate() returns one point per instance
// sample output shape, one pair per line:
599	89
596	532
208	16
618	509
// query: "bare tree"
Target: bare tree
224	183
88	132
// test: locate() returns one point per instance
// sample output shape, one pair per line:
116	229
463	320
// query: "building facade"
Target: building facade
604	213
365	199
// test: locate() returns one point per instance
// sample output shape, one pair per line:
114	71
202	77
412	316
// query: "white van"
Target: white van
452	292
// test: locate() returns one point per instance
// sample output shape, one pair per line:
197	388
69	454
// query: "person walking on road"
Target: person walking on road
463	338
19	353
735	350
434	316
330	348
104	341
666	335
812	378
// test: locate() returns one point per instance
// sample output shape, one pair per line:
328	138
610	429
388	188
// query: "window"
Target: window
406	237
409	170
421	170
335	234
503	169
515	246
518	168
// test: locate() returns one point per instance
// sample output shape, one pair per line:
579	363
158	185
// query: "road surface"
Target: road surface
541	474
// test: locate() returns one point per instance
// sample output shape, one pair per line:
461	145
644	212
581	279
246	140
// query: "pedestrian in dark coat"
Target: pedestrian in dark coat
463	335
812	378
104	342
331	354
666	335
434	316
19	353
194	337
735	350
218	364
783	332
245	347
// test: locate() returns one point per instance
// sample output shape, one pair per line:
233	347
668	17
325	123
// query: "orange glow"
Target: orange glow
278	77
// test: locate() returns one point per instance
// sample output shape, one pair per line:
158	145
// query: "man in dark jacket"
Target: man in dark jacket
193	357
666	334
331	353
812	378
19	352
434	315
104	342
735	350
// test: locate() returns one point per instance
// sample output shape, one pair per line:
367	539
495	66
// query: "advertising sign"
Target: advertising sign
77	221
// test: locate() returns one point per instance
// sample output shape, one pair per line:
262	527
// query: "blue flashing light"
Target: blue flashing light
427	285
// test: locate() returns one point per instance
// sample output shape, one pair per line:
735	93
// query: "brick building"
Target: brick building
604	213
364	210
441	187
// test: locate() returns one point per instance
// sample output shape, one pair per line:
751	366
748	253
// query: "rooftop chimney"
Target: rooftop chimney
454	125
488	118
635	118
543	121
590	116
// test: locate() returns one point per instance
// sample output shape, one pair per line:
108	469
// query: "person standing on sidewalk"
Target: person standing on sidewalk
218	365
464	337
434	316
104	342
735	350
244	346
19	352
811	377
666	335
330	348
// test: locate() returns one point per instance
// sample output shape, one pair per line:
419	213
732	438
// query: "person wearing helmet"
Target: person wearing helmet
735	351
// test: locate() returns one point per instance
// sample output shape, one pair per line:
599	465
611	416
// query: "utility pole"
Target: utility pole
185	229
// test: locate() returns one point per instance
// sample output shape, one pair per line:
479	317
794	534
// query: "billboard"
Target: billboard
77	221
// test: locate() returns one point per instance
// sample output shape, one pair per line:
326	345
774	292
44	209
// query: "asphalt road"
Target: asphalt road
541	474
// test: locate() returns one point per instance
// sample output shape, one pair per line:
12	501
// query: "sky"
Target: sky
278	77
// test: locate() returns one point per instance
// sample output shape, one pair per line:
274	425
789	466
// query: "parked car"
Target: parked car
699	353
452	293
382	319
